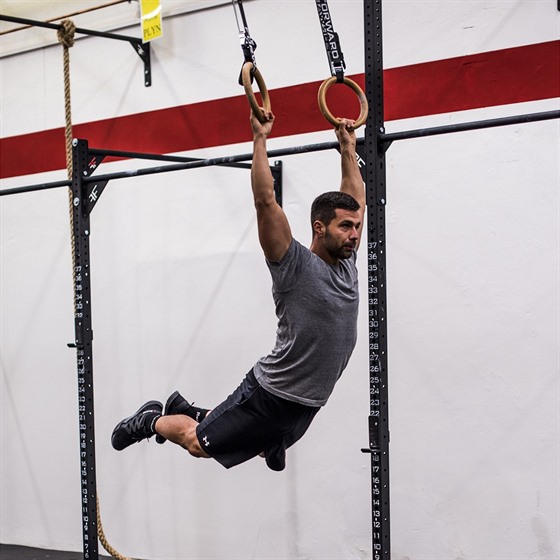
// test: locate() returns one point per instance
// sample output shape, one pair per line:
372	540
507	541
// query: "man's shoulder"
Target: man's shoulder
295	251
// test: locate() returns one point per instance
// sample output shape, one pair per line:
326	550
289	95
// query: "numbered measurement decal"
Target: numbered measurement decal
376	320
376	323
85	408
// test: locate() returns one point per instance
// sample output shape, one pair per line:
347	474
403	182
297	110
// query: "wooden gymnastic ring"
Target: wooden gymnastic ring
323	101
246	72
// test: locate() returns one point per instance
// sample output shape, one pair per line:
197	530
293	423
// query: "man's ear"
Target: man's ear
318	228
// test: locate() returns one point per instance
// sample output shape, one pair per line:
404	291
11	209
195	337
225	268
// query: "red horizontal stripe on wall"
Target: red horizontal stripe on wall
487	79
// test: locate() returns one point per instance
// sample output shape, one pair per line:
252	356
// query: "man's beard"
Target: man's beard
337	251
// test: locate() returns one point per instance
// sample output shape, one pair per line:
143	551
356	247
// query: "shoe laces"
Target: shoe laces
138	423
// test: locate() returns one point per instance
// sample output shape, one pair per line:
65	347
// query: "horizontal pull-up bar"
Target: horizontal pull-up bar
228	160
232	162
186	163
191	164
384	140
37	187
143	155
387	138
47	25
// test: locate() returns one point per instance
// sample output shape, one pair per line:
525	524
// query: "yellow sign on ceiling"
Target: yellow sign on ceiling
151	20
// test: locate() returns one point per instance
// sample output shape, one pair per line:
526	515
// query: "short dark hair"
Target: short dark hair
325	205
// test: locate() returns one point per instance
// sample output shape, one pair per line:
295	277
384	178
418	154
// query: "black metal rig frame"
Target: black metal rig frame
377	286
86	191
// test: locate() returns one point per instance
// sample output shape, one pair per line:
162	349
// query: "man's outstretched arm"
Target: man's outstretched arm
275	234
351	182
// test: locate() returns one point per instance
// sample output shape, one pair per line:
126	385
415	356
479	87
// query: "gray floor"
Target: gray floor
15	552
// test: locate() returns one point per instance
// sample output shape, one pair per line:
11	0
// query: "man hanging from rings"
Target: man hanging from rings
315	292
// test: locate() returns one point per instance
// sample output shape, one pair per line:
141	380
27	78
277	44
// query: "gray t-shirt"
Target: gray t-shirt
317	309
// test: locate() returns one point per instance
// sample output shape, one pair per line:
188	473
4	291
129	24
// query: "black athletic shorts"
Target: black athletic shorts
252	421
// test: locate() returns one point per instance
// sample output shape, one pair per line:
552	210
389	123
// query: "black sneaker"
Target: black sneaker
137	427
175	404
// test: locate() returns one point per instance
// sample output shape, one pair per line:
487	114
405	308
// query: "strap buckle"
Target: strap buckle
338	72
336	58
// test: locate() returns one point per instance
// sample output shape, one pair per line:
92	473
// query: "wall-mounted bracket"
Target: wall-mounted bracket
382	144
361	159
90	192
142	49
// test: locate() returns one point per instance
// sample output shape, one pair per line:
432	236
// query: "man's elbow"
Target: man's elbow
264	202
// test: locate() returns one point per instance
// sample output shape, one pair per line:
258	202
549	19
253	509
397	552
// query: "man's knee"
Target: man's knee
196	451
193	445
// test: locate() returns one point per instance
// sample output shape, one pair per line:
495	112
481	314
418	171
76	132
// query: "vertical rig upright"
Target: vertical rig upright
84	350
377	282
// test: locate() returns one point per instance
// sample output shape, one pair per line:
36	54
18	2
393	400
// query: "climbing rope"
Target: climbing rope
103	539
66	38
65	35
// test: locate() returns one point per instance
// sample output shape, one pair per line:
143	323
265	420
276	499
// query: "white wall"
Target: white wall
181	300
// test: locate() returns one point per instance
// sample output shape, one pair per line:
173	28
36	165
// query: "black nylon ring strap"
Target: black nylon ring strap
337	66
332	43
248	45
249	70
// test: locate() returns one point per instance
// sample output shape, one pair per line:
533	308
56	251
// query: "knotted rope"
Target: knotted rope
65	35
66	38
